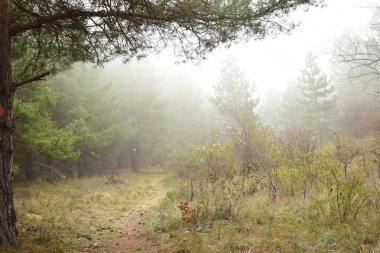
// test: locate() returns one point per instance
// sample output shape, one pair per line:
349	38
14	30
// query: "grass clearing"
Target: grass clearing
294	226
78	213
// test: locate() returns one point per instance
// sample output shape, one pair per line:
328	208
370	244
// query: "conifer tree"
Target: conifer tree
235	102
318	99
234	98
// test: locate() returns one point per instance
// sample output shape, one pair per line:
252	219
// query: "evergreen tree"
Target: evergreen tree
236	104
318	99
290	108
37	134
86	108
119	124
234	99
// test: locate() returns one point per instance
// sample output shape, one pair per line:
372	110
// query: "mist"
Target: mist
190	126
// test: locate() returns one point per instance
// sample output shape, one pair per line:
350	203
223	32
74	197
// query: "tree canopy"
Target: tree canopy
56	33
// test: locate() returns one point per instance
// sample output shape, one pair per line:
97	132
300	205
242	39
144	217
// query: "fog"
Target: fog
271	144
274	62
159	105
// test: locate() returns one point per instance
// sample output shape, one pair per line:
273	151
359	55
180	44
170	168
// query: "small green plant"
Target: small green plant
211	179
346	196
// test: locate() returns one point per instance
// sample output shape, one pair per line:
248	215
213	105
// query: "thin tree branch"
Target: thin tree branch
72	14
150	14
31	79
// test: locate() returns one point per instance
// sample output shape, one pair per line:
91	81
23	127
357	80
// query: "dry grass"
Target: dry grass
77	213
294	226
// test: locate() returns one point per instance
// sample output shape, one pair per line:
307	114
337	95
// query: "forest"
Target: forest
105	149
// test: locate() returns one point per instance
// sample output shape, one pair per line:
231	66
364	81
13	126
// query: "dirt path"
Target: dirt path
129	240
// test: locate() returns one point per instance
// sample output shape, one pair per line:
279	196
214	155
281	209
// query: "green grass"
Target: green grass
294	226
78	213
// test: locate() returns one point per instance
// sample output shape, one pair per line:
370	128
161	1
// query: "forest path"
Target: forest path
129	239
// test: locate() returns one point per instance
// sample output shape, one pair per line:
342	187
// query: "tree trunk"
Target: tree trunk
29	166
52	171
8	230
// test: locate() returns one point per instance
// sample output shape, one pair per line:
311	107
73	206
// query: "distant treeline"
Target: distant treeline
89	120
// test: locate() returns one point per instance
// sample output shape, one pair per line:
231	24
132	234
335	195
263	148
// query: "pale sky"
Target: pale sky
272	63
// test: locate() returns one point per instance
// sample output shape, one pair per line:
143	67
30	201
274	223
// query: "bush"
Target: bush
211	179
346	196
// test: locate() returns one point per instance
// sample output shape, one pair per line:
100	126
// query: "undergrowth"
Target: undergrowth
294	226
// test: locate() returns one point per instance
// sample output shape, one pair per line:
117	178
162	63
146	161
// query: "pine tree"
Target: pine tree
289	108
236	104
234	98
318	99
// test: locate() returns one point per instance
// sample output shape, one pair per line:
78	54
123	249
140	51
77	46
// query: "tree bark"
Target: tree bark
8	230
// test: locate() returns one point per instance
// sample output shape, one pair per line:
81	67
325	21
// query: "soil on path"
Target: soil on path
129	240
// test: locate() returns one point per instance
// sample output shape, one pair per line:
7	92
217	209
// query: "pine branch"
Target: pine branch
73	14
36	78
